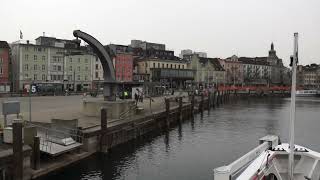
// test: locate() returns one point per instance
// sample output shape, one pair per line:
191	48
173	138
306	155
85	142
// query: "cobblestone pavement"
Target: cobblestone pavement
70	107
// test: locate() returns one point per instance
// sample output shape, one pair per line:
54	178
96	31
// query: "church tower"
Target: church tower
272	52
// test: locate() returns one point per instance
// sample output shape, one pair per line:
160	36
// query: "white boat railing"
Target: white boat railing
232	170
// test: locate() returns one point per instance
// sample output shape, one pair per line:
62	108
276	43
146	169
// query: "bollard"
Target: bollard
104	128
36	153
17	150
167	102
180	109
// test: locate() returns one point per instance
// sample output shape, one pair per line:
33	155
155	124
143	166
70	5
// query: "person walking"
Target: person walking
136	98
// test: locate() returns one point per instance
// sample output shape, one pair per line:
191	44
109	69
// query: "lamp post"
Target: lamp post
30	91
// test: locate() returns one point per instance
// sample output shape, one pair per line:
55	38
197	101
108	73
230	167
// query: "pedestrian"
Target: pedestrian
125	95
136	97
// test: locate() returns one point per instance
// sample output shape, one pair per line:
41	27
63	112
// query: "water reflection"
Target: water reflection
192	149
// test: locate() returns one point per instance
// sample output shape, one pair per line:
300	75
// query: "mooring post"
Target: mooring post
36	153
180	109
104	128
201	103
217	98
17	150
213	98
192	105
209	98
221	98
167	102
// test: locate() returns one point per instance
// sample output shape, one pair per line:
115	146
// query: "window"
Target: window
26	67
35	67
78	60
78	77
154	65
162	65
158	65
86	60
26	75
34	49
97	66
87	68
43	77
54	67
1	60
0	69
146	64
43	67
35	57
85	78
182	66
97	75
179	66
26	48
59	68
175	66
70	59
167	65
26	57
35	77
78	68
171	66
43	58
70	68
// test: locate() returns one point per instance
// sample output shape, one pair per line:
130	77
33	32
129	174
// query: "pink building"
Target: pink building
4	67
124	67
233	70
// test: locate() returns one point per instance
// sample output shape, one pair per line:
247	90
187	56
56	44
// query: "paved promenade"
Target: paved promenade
70	107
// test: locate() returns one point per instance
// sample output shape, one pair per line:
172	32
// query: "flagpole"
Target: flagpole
293	108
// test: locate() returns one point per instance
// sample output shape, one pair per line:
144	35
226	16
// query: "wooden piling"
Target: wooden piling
167	102
36	153
17	150
192	105
104	128
209	103
201	104
214	98
180	109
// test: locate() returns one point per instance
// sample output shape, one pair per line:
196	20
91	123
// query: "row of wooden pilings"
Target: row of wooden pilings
172	114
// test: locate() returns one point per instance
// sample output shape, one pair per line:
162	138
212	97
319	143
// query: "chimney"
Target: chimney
27	41
44	34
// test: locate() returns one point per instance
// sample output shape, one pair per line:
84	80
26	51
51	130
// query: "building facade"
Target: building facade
309	76
234	70
51	62
5	84
256	71
187	52
147	45
208	71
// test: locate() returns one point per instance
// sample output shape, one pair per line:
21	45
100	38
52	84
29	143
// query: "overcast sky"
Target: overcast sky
219	27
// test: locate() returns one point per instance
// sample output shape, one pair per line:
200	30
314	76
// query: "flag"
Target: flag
21	35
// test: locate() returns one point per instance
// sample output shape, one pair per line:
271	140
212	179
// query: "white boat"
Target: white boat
274	160
306	93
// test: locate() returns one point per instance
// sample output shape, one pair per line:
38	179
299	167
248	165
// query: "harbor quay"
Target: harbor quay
64	129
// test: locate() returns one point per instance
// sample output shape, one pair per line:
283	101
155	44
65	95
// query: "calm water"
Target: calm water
192	150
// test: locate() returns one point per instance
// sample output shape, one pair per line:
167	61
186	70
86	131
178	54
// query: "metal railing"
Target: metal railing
50	134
